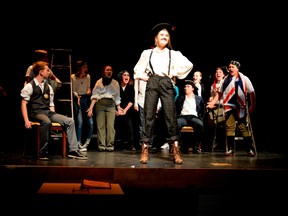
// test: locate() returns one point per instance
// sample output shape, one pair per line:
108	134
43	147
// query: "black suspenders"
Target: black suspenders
151	73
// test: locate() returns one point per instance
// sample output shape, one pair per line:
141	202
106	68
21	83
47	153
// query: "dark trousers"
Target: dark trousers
124	129
160	87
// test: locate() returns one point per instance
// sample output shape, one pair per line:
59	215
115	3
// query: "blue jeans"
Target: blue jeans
81	118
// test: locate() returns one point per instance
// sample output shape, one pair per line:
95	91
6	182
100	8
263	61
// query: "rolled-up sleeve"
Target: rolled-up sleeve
26	92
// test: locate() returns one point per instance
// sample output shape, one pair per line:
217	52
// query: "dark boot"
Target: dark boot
230	150
197	149
144	155
176	153
250	148
43	153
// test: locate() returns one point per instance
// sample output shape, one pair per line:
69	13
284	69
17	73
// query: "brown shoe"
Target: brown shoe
176	154
144	155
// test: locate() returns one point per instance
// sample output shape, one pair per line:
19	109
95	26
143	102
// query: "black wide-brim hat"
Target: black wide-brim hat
190	82
157	28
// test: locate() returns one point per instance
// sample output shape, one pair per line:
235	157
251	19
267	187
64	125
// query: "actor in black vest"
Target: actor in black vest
38	105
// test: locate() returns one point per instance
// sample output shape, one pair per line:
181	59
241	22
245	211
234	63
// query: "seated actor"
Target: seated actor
190	110
38	105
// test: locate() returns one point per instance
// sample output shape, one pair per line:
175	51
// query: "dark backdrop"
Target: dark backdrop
209	35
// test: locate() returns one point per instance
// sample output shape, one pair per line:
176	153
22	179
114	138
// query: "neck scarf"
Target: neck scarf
106	81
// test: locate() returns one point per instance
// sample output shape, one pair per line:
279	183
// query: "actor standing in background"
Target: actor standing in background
235	89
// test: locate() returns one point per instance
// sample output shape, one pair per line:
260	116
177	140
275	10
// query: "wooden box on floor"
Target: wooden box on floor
75	188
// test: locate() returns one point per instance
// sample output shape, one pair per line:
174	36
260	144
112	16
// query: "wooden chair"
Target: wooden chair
54	127
190	129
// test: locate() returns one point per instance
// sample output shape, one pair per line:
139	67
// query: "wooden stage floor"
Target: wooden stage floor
203	184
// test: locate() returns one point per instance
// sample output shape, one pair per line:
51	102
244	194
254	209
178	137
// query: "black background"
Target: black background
209	35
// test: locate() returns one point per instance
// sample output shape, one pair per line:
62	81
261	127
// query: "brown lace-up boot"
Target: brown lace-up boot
176	153
144	155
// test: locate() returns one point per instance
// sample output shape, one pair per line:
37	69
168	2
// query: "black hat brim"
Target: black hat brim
157	28
190	82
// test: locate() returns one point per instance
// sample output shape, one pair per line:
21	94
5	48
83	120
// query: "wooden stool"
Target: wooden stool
54	127
190	129
186	129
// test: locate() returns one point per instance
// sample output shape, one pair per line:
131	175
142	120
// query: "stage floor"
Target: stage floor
206	184
157	159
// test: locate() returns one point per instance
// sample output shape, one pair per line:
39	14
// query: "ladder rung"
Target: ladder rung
60	66
61	50
64	100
